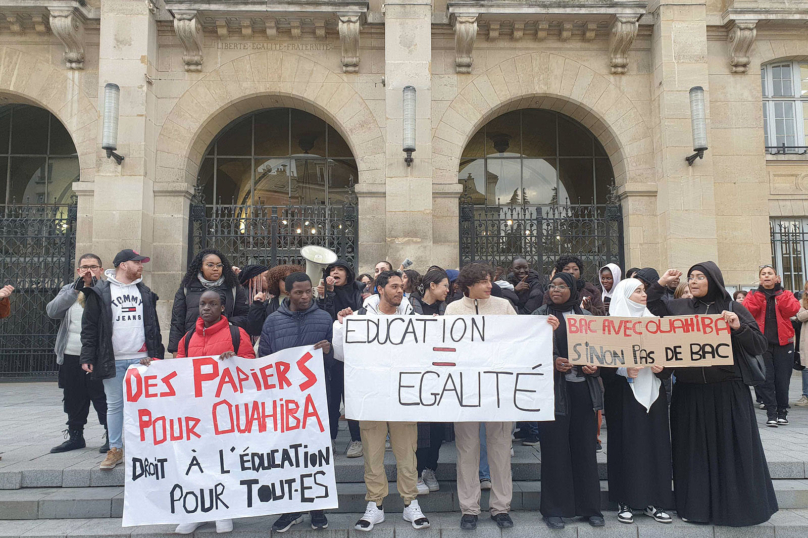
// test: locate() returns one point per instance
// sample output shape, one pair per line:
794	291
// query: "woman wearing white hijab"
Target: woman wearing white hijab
639	450
609	275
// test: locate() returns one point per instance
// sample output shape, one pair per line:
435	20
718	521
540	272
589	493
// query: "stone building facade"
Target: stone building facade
620	70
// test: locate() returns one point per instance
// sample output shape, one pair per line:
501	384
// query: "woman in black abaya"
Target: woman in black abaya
639	455
720	474
569	466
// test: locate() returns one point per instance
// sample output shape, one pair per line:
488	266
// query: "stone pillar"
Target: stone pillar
407	56
686	195
123	200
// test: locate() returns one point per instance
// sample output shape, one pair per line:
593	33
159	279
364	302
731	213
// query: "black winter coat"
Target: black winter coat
285	329
96	328
562	403
186	310
258	314
531	298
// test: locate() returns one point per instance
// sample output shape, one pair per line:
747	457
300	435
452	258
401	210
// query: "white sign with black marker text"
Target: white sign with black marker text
448	369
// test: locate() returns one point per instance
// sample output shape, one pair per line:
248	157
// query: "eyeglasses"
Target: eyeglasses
559	288
89	267
212	265
697	278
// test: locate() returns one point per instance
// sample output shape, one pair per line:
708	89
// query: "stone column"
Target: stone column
686	196
407	56
123	203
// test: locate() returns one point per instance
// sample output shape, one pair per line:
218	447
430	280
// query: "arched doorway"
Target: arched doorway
38	166
538	184
271	182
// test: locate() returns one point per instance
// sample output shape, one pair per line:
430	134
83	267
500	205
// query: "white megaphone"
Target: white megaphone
317	259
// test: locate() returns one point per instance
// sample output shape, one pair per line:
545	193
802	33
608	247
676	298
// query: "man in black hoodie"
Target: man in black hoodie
528	285
340	291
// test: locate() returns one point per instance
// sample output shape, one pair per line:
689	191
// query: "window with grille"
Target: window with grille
785	106
789	236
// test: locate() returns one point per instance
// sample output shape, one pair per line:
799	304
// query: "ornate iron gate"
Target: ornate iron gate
37	250
542	233
273	235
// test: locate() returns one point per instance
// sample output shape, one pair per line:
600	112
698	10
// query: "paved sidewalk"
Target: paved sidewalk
32	421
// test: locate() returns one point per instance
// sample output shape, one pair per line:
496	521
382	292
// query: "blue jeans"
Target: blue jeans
485	471
805	382
113	388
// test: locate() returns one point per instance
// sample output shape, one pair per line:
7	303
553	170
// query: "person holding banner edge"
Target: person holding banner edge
298	322
720	474
213	335
636	403
475	283
568	444
403	435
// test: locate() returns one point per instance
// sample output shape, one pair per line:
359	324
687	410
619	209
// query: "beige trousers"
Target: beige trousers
498	442
404	440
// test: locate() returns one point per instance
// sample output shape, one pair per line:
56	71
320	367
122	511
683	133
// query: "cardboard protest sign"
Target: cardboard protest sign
209	439
673	342
448	368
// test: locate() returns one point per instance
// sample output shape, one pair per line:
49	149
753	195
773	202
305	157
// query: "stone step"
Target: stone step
784	524
80	469
106	502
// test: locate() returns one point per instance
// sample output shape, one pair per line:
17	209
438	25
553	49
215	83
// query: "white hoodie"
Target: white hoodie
128	335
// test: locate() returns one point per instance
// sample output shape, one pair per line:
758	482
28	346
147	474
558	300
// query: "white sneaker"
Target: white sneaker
428	476
187	528
224	525
422	488
413	514
658	514
373	516
802	402
485	484
355	450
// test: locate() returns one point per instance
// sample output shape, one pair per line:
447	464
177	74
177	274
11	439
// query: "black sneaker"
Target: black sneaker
468	522
599	448
624	514
285	522
75	441
771	423
531	440
318	520
503	521
554	522
782	421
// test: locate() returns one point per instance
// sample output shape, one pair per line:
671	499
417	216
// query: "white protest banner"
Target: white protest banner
448	368
207	439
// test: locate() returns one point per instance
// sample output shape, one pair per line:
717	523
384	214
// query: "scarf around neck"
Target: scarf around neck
210	285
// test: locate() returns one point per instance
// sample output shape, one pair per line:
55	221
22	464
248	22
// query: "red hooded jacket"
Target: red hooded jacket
215	340
786	306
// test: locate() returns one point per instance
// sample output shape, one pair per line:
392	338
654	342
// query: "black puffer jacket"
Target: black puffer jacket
186	309
531	298
96	328
285	329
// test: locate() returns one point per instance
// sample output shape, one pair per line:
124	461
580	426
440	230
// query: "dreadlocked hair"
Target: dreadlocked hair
278	273
195	268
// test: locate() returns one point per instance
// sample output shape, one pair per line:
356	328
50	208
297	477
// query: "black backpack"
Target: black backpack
235	335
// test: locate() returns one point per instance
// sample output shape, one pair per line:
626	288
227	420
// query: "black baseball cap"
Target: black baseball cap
129	255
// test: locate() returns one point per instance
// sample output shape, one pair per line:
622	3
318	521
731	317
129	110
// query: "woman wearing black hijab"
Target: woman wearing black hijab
569	466
720	474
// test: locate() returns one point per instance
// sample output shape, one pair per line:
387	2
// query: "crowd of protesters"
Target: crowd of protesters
684	439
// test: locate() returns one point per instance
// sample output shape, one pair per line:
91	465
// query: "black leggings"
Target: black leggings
779	363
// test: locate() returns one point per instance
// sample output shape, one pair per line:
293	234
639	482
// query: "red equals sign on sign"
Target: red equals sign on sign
444	350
